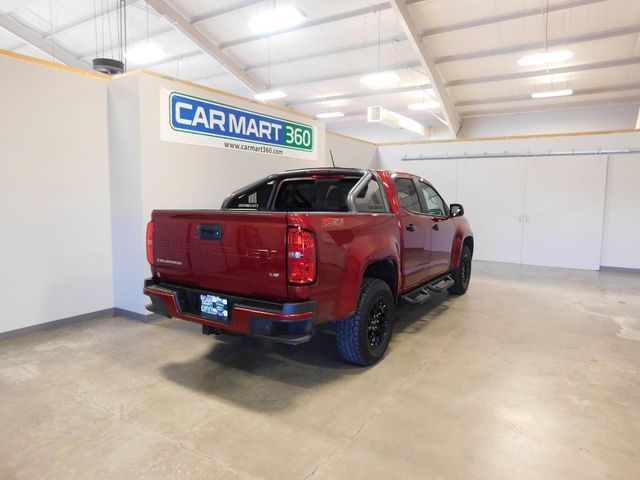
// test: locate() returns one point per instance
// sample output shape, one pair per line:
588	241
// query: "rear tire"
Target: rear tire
363	338
462	274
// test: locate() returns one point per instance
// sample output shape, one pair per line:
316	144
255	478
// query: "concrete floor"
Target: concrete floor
531	375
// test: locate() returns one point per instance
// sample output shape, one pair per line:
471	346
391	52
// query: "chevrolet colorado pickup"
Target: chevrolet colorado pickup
308	247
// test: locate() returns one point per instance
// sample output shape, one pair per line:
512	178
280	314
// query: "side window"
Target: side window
407	193
255	199
370	199
433	201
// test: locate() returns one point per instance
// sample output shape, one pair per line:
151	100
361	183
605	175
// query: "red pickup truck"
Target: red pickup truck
308	247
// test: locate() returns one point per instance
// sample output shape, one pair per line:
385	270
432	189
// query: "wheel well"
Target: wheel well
384	270
468	242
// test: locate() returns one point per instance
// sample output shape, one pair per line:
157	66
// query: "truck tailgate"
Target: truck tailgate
233	252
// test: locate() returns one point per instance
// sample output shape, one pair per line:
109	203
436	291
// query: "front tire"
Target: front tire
462	274
363	338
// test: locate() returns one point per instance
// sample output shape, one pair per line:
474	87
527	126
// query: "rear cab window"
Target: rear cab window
311	193
314	194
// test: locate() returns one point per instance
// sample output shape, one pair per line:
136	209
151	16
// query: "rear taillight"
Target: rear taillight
150	243
301	256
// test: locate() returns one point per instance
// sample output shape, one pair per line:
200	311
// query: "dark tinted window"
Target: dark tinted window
314	194
407	193
255	199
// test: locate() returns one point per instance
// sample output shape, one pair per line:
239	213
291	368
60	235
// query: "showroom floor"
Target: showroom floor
532	374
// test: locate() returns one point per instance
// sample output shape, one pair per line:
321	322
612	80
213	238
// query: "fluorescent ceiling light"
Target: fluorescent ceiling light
546	57
424	106
146	53
552	93
278	18
380	79
270	95
330	115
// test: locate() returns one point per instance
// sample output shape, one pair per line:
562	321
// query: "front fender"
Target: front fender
463	231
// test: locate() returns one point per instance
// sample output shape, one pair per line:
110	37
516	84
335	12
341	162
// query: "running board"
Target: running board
422	294
441	285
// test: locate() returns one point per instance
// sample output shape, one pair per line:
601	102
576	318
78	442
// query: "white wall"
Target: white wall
54	195
503	180
349	152
127	221
621	239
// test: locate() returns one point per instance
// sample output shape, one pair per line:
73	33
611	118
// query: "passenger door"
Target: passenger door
443	229
416	233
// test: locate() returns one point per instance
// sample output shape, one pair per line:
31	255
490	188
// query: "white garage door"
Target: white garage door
538	211
564	211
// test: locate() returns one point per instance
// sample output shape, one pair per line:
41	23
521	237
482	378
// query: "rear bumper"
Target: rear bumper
290	323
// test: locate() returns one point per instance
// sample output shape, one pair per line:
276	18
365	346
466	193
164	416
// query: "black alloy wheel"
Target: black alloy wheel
378	325
364	336
462	274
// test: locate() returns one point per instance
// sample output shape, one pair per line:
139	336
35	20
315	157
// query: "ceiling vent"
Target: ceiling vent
378	114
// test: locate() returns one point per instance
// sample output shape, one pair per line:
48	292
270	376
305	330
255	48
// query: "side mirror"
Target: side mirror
456	210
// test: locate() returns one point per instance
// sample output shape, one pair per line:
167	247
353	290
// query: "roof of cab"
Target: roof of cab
327	170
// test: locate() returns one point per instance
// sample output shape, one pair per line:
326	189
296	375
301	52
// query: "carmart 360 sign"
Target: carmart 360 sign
225	126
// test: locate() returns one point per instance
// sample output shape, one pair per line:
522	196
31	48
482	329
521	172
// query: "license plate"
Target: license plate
214	305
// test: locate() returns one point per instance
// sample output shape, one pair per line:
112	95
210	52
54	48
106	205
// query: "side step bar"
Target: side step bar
423	293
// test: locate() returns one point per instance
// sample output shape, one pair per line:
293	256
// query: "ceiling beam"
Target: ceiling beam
506	17
576	92
356	73
171	59
331	51
360	94
180	22
35	39
310	23
582	67
627	100
554	42
205	17
411	31
301	58
463	81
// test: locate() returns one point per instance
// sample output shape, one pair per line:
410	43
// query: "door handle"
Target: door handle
410	227
436	227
